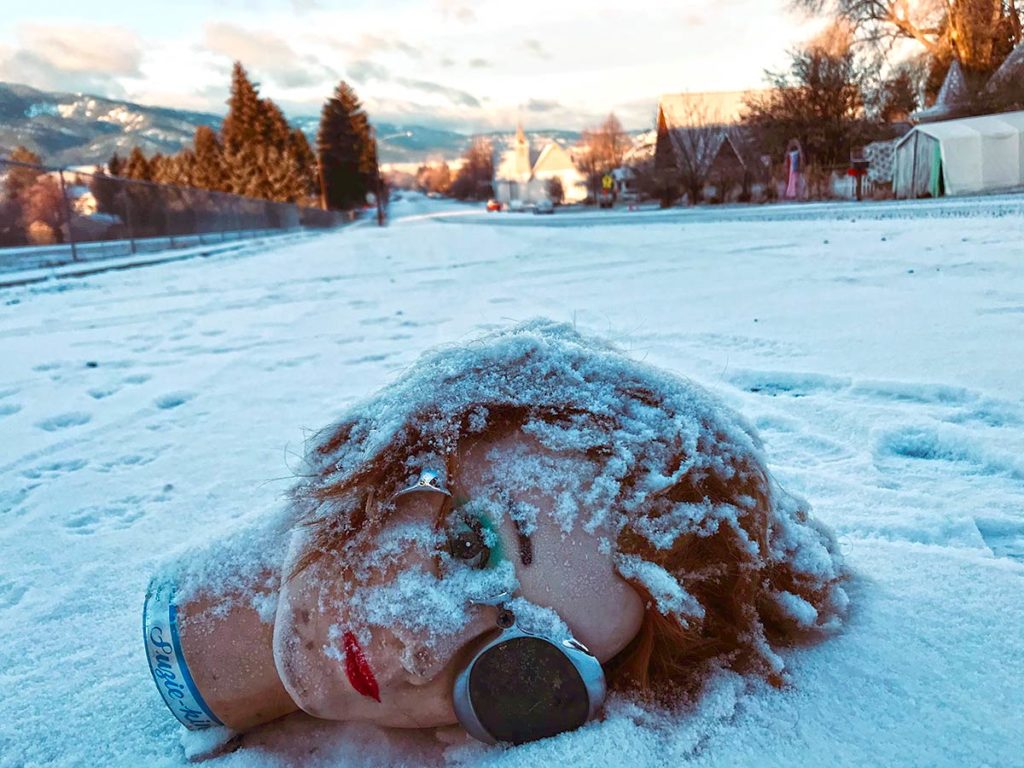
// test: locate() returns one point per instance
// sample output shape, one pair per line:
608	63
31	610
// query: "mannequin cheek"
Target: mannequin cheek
424	659
306	612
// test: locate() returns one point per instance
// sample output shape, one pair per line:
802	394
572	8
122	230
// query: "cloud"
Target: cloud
480	64
267	54
535	47
362	71
80	58
458	10
542	105
369	45
454	95
301	6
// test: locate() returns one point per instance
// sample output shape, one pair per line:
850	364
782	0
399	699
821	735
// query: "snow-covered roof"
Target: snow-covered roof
954	92
1011	69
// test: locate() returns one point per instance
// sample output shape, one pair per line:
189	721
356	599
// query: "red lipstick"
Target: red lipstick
358	669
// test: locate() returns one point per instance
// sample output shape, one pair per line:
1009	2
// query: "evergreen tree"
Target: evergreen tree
19	179
305	159
17	184
241	133
137	166
348	159
115	165
209	166
240	128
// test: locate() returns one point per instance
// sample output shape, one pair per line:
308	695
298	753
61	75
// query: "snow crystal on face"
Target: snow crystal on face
564	478
427	604
669	596
538	620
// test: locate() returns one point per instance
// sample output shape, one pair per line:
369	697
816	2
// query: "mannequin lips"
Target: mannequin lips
358	669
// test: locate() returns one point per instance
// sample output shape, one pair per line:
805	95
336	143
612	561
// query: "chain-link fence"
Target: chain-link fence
54	216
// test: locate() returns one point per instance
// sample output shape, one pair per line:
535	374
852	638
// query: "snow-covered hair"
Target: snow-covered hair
728	564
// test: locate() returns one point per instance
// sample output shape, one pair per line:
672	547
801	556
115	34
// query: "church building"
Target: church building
525	175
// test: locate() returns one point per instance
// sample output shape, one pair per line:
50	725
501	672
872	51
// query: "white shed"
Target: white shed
961	157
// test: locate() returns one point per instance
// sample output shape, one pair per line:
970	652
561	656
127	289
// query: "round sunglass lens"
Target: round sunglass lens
526	689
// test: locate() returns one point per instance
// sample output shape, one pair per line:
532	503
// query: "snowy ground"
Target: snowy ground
881	360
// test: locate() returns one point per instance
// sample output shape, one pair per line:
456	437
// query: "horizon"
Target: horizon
444	64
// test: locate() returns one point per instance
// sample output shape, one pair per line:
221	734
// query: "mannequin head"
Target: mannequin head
618	502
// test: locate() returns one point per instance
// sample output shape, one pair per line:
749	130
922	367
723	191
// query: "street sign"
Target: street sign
607	182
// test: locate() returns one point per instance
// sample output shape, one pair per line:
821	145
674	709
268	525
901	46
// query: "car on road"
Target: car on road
544	206
493	205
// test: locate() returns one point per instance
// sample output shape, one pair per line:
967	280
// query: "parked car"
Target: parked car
493	205
516	206
544	206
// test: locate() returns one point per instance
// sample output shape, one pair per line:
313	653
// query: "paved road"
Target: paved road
959	207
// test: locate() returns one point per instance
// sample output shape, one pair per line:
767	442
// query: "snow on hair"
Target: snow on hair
727	562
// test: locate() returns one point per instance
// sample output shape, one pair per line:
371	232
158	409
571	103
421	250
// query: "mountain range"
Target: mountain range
74	129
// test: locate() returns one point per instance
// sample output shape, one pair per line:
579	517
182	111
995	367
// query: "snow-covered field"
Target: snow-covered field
882	361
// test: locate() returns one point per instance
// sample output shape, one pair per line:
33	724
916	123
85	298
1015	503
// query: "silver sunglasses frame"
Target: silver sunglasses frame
429	481
588	667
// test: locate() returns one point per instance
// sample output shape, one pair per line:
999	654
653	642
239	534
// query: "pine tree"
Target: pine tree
115	165
241	134
240	126
348	159
18	182
305	159
138	167
19	179
209	168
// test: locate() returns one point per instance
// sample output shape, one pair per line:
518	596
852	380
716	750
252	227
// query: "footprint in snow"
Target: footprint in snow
173	400
64	421
54	469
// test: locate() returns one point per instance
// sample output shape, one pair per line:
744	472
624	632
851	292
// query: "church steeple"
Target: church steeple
522	149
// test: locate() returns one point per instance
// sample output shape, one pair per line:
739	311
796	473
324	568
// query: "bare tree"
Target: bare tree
978	32
688	143
601	150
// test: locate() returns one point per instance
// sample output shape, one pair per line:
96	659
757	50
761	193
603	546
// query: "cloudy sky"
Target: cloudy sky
445	63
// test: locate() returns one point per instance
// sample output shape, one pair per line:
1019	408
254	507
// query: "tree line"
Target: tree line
257	154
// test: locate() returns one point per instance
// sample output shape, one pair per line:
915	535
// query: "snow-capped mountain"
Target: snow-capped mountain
73	129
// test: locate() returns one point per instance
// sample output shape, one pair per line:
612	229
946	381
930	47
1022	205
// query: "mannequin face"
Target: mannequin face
382	640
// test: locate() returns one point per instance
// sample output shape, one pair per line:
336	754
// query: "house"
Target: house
525	175
700	144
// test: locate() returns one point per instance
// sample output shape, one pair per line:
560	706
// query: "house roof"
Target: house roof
1011	69
553	157
954	92
684	110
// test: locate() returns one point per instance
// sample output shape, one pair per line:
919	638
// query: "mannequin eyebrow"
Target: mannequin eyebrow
525	544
